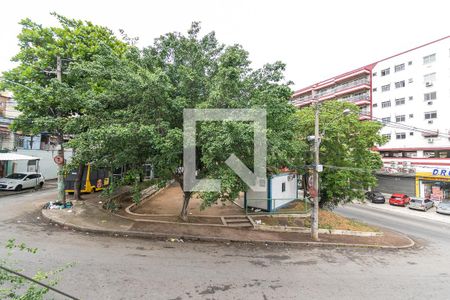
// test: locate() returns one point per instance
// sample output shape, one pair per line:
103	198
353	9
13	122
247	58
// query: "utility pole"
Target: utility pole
315	210
61	189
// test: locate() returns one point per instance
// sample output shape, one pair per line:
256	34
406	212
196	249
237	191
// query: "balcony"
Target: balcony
364	116
302	101
338	90
358	99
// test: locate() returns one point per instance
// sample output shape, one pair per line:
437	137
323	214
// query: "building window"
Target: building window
400	101
385	154
374	89
411	116
429	79
399	68
386	120
400	135
283	187
386	104
375	105
430	115
410	97
409	63
429	154
397	154
385	72
400	84
411	133
429	59
386	88
410	153
429	96
443	154
374	74
387	136
400	118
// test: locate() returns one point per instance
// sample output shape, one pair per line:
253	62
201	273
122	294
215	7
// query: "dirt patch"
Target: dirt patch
330	220
170	201
327	220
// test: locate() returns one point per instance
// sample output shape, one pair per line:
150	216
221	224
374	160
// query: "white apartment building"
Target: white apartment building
412	89
409	93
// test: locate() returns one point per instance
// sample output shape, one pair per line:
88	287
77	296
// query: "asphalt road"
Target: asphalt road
434	233
125	268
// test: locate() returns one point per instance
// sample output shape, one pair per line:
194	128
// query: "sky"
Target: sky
316	39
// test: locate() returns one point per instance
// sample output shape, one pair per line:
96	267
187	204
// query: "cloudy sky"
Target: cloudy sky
316	39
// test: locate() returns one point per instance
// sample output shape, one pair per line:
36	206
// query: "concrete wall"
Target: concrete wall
47	166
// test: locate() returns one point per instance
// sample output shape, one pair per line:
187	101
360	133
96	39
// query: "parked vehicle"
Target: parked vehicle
443	207
421	204
19	181
92	180
436	202
375	197
399	199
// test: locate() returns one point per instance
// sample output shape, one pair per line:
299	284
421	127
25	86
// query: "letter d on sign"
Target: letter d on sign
435	171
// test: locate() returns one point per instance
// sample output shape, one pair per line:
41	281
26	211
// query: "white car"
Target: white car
18	181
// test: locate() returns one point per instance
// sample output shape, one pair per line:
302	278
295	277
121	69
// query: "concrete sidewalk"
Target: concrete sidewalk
88	217
429	214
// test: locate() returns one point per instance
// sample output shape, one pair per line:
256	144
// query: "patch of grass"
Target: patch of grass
271	221
281	221
297	206
330	220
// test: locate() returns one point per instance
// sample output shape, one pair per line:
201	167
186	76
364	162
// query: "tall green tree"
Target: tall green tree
144	94
207	74
46	103
345	150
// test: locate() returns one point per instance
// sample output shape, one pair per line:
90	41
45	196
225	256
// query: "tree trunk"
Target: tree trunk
61	189
178	177
184	209
78	183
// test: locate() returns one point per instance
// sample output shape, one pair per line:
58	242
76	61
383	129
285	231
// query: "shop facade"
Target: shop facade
433	183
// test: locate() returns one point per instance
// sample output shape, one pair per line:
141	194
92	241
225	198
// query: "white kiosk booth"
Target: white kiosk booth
281	190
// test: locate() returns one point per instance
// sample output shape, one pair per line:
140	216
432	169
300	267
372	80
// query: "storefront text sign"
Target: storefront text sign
441	172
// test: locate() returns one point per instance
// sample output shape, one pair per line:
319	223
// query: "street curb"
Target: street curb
270	228
155	191
154	235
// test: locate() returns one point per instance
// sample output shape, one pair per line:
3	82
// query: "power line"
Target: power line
408	127
38	283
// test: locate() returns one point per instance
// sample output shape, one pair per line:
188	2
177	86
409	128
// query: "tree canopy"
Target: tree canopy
47	105
141	98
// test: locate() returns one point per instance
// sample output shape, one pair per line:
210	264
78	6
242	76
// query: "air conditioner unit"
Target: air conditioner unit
428	83
430	141
430	102
430	122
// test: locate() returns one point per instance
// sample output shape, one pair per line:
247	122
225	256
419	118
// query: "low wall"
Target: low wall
47	166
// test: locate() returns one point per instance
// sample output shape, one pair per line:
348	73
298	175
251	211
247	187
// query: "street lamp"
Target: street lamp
317	167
